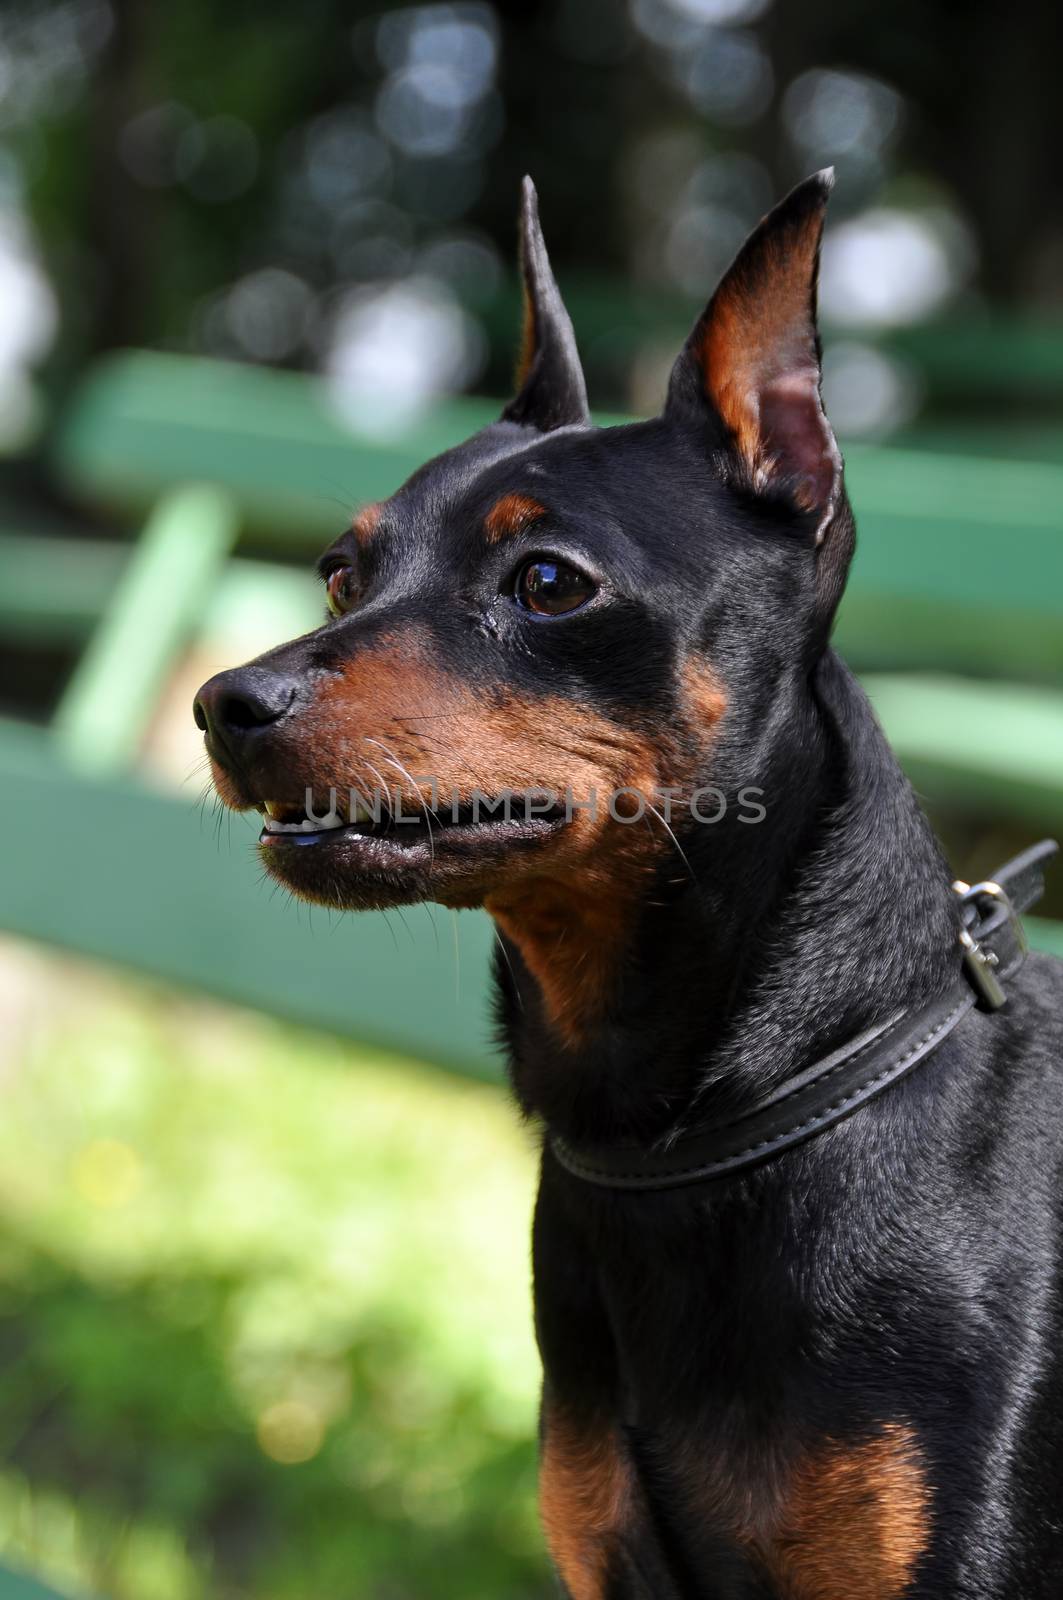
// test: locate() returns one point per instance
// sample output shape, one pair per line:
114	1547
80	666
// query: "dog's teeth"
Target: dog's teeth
271	808
274	824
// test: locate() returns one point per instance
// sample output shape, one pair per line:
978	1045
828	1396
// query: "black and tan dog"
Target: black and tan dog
785	1354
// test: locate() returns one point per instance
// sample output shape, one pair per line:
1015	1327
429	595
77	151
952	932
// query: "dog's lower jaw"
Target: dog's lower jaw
351	870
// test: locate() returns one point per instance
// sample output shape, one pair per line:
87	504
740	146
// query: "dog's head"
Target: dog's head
552	637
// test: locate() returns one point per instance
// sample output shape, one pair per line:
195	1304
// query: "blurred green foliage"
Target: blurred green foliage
264	1315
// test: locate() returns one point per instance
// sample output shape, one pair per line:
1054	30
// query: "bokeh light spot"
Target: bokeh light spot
107	1173
888	267
290	1431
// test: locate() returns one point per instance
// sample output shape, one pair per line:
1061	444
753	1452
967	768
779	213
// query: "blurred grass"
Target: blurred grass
265	1326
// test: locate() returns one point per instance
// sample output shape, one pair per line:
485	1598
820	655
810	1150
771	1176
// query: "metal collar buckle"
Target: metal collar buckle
979	962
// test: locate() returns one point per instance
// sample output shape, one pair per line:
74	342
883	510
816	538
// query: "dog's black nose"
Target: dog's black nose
232	705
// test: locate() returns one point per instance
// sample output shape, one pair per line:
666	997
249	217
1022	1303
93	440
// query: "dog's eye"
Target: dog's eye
341	590
550	588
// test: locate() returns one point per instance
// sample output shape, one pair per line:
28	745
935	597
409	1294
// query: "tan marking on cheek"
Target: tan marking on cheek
584	1501
569	903
704	693
365	523
856	1521
434	723
511	515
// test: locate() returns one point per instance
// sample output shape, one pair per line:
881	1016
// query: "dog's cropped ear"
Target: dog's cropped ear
752	364
551	392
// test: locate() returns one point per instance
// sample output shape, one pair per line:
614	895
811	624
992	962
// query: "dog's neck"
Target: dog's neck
832	914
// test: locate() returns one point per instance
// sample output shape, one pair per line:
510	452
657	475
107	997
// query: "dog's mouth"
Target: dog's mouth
357	855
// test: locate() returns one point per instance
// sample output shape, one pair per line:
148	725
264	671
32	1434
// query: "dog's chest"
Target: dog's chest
836	1521
839	1519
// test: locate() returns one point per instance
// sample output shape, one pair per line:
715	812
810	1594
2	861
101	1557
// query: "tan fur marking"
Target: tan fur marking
584	1500
705	693
856	1521
568	902
842	1522
572	933
365	523
749	335
510	515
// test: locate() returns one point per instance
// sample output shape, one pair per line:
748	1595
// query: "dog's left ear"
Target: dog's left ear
752	364
551	392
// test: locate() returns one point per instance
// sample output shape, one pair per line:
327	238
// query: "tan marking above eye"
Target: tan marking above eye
511	515
365	523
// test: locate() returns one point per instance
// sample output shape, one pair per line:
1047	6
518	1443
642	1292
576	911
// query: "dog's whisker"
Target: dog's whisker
392	759
383	789
679	848
505	957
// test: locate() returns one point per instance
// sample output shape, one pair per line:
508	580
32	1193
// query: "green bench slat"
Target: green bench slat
20	1586
143	422
973	746
55	589
959	564
156	605
1045	935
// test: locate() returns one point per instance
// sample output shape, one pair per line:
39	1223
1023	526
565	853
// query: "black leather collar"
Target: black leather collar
993	948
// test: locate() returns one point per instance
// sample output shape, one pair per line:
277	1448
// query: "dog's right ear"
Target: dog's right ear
750	373
551	392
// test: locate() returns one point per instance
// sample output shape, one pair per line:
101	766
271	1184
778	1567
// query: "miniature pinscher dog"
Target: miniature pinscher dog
797	1240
